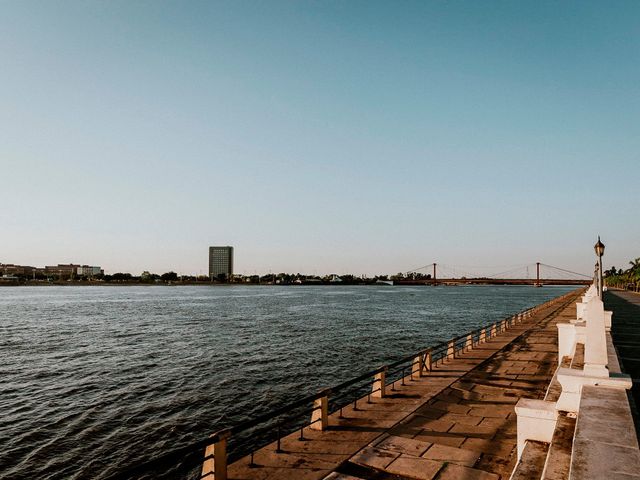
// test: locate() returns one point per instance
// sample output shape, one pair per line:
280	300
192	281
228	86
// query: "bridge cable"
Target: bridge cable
567	271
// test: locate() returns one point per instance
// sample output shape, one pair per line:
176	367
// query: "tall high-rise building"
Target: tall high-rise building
220	262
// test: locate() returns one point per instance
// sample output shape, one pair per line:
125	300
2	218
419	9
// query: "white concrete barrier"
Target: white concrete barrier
536	421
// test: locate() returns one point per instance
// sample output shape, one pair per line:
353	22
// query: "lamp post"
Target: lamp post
599	248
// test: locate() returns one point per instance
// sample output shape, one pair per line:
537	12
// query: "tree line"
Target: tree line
628	279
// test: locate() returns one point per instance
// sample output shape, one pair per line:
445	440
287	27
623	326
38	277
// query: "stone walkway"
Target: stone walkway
456	422
626	337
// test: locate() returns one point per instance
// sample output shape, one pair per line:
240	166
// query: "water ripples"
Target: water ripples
93	379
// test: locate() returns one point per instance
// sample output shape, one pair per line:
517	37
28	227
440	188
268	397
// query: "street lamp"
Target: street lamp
599	248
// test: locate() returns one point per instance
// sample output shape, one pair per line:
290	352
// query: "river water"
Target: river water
94	379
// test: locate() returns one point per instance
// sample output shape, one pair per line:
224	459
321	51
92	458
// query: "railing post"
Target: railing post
320	414
469	342
428	361
214	466
451	349
483	336
503	326
417	366
493	331
378	389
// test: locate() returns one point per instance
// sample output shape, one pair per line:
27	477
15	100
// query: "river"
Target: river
94	379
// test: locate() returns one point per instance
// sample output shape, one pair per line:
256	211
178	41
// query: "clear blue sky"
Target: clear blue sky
362	137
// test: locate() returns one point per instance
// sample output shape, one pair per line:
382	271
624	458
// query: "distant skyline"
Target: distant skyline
319	137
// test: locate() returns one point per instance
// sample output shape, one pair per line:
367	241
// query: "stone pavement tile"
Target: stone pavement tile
445	453
461	419
491	387
506	435
449	407
414	467
491	412
405	431
355	421
267	457
462	393
340	476
459	472
486	432
274	473
404	445
374	457
492	447
515	370
440	425
441	438
501	425
427	410
498	465
500	399
335	435
321	447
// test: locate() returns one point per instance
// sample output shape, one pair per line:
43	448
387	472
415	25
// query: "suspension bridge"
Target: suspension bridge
536	274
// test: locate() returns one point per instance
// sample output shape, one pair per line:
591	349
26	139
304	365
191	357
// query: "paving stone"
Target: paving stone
441	425
498	449
491	412
460	456
459	472
407	446
473	431
441	438
450	407
375	457
457	418
340	476
414	467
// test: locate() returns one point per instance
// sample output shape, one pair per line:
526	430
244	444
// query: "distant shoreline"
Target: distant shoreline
445	283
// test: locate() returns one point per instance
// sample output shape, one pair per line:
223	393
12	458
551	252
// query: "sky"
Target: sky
319	136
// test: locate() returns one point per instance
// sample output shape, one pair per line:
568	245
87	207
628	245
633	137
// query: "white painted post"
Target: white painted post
483	336
566	340
595	349
214	466
378	389
320	414
536	420
493	331
607	320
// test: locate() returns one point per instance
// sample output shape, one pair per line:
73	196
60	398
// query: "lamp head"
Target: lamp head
599	248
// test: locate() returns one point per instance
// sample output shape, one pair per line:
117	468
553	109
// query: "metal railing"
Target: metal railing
292	417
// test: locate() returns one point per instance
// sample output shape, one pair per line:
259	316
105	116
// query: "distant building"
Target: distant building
61	270
11	269
88	271
220	262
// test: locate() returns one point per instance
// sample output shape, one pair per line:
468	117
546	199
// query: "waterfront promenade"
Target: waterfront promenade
625	331
456	421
